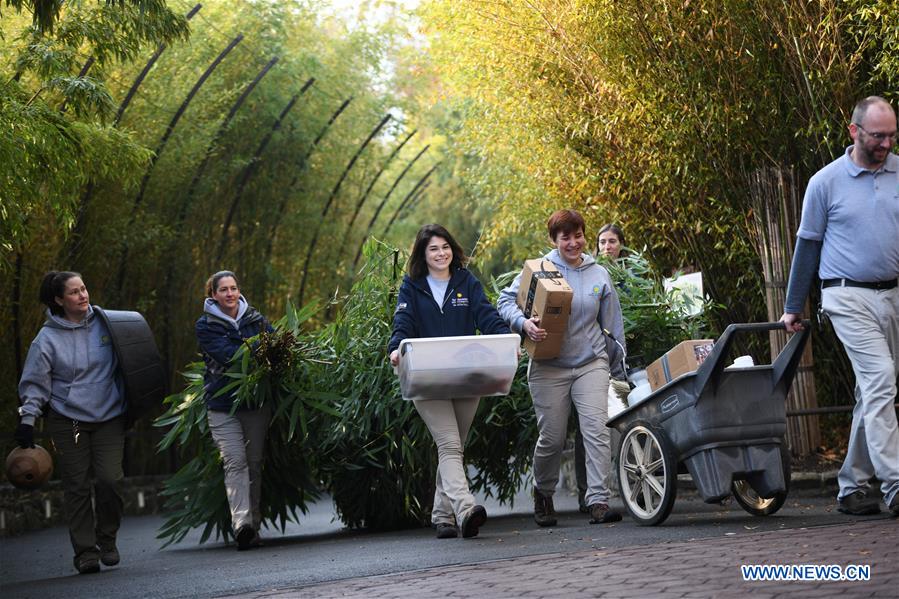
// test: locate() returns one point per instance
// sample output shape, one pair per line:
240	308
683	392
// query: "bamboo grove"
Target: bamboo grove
148	143
148	148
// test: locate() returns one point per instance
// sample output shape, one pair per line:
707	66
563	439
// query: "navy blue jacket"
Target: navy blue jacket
464	309
218	341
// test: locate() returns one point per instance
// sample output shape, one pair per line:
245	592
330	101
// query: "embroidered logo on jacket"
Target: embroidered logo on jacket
596	291
459	301
401	306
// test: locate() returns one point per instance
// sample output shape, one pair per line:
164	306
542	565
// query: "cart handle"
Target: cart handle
784	366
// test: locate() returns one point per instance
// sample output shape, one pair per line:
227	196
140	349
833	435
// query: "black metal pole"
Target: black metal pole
298	171
183	209
409	197
123	260
73	245
251	168
330	200
416	199
374	217
364	196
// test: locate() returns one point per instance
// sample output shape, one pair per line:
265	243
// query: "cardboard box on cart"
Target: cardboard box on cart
545	293
682	358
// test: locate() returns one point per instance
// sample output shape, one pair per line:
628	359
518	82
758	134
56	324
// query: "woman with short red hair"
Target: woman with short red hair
579	375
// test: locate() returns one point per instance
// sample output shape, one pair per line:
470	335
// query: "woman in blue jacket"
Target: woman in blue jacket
228	320
440	298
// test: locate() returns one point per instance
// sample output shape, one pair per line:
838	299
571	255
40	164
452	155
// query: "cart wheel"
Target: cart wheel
647	474
750	501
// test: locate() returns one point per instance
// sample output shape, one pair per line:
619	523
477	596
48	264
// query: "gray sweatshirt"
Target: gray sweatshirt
594	299
72	365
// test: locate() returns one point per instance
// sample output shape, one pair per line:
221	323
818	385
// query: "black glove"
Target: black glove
24	435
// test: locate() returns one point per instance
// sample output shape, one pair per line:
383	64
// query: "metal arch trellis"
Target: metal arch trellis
185	204
249	48
374	218
409	197
131	92
250	169
299	170
364	196
415	201
74	242
120	276
207	155
76	239
330	201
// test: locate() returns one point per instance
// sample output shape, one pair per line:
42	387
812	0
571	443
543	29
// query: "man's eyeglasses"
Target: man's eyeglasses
879	137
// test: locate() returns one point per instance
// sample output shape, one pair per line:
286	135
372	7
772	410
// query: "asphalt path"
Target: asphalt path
319	549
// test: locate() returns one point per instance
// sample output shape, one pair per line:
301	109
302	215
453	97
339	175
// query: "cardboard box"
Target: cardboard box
682	358
546	294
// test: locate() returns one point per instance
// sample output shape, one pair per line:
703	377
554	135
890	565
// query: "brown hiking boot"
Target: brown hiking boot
244	537
473	521
601	513
544	512
857	504
87	563
109	555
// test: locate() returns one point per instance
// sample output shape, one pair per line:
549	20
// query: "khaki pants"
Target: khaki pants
449	421
554	390
97	455
241	442
867	323
617	397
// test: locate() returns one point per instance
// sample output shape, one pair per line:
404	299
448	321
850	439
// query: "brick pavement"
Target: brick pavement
697	568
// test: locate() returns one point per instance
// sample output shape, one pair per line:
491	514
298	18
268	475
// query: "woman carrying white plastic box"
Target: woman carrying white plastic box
580	373
439	297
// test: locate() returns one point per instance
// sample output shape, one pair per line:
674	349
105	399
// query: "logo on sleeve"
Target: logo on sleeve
401	306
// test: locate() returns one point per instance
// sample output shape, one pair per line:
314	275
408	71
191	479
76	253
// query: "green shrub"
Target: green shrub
271	369
341	425
655	320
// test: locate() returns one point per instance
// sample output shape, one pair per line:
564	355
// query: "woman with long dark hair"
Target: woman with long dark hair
439	297
610	242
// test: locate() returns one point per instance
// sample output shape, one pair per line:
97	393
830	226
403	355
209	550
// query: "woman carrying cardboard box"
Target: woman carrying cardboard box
578	374
439	297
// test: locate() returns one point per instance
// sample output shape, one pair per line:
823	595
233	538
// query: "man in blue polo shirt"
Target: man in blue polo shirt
849	233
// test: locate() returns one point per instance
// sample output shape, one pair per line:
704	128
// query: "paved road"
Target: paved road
700	568
320	551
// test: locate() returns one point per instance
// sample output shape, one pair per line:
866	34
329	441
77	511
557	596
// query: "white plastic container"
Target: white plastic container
449	367
742	362
641	390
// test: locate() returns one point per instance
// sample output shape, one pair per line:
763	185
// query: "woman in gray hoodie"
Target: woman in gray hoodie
70	377
580	373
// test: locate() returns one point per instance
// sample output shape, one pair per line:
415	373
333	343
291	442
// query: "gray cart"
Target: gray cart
725	426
